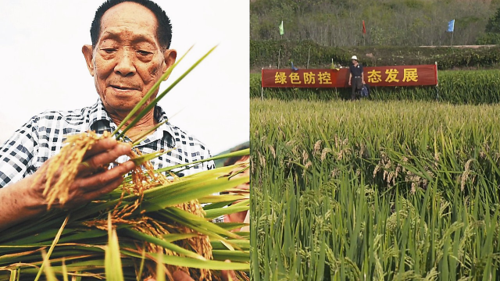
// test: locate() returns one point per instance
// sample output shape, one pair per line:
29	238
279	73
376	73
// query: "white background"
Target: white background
42	67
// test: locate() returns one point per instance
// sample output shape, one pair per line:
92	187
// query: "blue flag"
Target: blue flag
451	26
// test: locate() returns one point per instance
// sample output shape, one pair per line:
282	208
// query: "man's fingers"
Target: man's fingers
103	190
109	156
90	188
103	178
105	157
100	146
81	197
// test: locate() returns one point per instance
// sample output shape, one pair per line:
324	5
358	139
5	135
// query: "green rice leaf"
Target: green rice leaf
193	263
112	258
172	237
173	247
56	239
242	152
147	157
214	213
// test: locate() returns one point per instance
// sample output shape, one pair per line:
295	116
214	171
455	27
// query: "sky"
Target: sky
43	67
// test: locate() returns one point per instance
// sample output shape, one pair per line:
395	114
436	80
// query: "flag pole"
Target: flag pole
451	28
282	31
279	55
261	87
308	56
437	81
364	34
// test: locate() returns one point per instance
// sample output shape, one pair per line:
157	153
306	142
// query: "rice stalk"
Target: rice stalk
396	190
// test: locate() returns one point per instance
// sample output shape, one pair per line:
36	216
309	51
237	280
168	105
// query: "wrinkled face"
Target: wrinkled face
127	59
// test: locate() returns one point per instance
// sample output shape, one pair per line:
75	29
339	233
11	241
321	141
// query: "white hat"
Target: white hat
354	58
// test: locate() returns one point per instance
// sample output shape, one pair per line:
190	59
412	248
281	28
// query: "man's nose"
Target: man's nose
125	63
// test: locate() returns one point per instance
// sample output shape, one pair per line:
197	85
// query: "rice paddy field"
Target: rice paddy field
372	190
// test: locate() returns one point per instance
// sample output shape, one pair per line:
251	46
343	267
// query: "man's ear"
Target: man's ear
88	54
170	55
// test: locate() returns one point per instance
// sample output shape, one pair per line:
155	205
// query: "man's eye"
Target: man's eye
144	53
108	50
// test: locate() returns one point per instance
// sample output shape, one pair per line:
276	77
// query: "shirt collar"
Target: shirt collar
100	122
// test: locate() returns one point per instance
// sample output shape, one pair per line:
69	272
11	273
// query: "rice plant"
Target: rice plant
370	190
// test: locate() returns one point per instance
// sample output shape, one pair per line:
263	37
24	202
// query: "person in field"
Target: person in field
356	77
130	51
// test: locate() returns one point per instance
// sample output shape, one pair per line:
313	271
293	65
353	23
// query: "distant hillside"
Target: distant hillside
388	22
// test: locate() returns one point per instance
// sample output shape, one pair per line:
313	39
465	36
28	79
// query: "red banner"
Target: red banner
407	75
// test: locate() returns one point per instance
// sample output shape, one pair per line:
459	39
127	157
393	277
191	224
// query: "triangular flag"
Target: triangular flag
282	30
364	28
451	26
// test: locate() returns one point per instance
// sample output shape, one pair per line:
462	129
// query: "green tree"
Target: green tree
492	31
493	25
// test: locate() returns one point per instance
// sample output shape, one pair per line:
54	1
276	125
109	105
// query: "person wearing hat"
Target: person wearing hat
356	77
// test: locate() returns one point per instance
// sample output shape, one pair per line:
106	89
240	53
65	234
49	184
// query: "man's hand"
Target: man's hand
91	180
25	199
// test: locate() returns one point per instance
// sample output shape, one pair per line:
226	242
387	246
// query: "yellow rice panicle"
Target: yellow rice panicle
69	157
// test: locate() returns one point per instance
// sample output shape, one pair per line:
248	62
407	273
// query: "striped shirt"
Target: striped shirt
43	135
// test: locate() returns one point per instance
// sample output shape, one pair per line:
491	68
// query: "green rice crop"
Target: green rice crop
457	87
372	190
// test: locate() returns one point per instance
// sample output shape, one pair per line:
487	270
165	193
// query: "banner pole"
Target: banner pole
262	84
437	81
437	75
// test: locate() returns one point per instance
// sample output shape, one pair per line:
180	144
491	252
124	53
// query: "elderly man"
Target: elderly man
129	53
